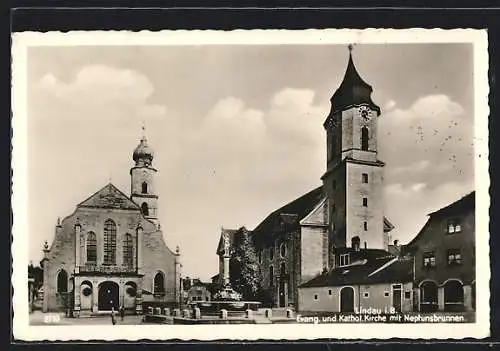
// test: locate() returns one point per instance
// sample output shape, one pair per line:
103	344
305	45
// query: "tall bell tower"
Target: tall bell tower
354	177
143	180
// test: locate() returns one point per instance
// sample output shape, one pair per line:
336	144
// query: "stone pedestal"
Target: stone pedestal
289	313
158	310
177	312
150	310
223	314
249	314
166	311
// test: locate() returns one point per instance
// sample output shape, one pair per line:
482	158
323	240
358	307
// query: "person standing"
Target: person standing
122	312
113	319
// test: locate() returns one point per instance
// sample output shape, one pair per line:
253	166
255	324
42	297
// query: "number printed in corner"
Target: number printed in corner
51	318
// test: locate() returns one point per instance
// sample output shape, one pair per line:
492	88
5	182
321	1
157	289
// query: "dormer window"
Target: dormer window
453	226
344	260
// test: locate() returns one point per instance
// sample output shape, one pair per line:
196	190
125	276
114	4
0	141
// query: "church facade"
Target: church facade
308	236
110	252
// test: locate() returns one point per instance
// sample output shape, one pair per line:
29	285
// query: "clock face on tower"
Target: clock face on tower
365	113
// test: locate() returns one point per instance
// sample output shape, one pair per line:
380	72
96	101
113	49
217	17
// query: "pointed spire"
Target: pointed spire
353	90
143	129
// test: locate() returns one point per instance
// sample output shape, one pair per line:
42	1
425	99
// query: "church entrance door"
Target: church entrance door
282	294
108	296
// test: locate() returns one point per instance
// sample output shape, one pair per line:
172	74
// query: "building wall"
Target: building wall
311	252
328	298
154	254
433	238
373	213
352	122
198	293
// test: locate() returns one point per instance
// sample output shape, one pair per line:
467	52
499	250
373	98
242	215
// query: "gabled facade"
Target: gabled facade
445	264
110	251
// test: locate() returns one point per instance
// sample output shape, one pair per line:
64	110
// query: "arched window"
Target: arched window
282	269
145	209
62	281
364	138
283	250
144	188
128	247
159	284
91	247
271	275
109	242
271	253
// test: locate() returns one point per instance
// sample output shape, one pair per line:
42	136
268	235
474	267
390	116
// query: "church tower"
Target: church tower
143	180
353	178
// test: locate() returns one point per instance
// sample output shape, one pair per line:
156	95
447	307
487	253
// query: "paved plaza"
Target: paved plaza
40	318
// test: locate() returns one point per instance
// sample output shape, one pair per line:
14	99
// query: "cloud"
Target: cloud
389	105
432	141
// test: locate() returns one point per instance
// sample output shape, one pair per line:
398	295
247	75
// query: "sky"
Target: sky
237	131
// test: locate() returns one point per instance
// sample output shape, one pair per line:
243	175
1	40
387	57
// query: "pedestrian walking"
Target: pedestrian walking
122	312
113	319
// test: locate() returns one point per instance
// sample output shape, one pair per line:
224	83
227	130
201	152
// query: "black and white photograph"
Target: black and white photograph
250	184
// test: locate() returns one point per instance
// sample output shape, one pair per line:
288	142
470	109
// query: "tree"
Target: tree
244	271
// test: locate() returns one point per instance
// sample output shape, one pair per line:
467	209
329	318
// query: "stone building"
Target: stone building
364	281
299	241
196	290
445	264
110	251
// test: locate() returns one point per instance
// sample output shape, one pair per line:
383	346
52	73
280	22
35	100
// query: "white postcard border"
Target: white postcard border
23	331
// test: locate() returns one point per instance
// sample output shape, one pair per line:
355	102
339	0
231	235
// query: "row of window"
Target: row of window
110	246
62	282
366	294
453	256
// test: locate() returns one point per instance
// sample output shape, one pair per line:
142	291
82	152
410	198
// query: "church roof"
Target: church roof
299	208
109	197
293	212
352	91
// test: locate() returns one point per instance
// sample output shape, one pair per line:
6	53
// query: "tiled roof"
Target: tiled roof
374	267
109	197
465	203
